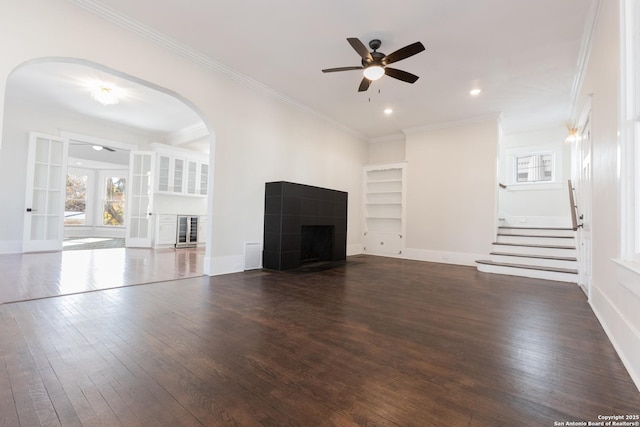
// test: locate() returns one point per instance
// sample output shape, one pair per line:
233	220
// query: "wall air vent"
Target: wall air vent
252	256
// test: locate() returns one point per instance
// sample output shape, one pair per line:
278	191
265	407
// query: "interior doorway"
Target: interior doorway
95	193
56	97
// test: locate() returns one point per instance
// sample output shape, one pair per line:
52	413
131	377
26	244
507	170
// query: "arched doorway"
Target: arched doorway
51	100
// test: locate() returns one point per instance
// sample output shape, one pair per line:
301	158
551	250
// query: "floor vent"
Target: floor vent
252	256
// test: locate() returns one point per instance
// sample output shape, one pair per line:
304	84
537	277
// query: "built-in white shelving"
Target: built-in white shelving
384	207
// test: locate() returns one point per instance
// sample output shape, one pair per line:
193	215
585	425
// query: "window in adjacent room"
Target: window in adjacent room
75	204
114	201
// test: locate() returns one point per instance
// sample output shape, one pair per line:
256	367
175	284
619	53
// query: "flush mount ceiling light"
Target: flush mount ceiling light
475	92
105	94
97	147
388	111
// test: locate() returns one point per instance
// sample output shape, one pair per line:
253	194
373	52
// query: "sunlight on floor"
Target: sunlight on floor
83	241
42	275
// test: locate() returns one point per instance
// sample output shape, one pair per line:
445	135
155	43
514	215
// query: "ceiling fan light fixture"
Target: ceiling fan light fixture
373	72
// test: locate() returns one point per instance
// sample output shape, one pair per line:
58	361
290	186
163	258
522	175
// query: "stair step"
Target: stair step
534	260
529	267
557	258
537	235
537	231
535	245
535	240
557	274
534	228
544	250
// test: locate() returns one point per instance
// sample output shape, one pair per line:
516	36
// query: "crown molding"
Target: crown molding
584	55
191	54
497	117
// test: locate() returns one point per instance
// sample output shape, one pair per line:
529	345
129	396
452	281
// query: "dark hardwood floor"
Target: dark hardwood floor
375	341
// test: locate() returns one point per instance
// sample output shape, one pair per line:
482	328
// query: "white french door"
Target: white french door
140	200
45	193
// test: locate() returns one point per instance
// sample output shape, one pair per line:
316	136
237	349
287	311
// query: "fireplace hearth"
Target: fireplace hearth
303	224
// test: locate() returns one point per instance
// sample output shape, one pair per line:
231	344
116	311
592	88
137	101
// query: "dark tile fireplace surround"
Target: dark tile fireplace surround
303	224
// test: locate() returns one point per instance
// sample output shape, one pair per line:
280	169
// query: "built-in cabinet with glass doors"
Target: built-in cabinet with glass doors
178	175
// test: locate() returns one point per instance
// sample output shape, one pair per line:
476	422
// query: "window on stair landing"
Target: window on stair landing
535	167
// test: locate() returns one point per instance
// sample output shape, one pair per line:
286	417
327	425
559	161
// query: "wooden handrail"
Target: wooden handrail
574	208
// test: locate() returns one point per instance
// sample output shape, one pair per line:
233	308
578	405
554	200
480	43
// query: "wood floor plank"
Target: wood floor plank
375	341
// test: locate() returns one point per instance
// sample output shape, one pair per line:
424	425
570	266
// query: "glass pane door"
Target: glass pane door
45	193
139	201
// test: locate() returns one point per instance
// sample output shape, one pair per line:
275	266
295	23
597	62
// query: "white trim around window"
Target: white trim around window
629	151
552	153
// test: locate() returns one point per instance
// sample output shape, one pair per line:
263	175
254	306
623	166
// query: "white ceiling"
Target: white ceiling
523	54
66	87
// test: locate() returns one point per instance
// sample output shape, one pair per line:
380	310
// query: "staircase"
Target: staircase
538	252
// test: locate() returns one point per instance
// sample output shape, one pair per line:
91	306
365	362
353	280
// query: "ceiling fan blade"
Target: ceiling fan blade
403	53
401	75
359	47
333	70
364	84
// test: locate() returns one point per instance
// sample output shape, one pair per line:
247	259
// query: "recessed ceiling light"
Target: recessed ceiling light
475	92
388	111
97	147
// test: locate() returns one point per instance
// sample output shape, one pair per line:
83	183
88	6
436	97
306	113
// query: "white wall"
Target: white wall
451	190
387	150
535	204
615	290
258	137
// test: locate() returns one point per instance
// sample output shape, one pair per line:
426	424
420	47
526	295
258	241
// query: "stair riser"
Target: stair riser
523	272
540	262
526	250
532	240
537	232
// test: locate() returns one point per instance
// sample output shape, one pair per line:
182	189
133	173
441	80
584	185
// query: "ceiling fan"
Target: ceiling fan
375	63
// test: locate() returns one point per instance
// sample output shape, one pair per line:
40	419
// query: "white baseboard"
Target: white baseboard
215	266
354	249
624	337
457	258
10	246
95	232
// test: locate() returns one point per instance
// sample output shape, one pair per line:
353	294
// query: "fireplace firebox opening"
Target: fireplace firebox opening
316	243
